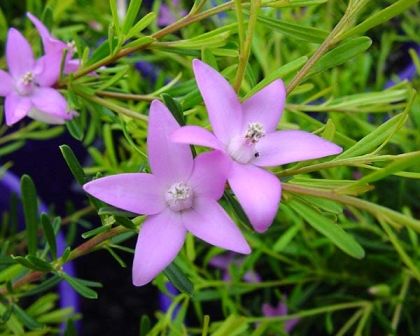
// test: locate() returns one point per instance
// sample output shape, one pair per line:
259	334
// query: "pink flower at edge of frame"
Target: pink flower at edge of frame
27	86
246	133
179	195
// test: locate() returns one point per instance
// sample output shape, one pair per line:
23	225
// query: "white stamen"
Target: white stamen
254	132
179	196
27	78
242	148
71	47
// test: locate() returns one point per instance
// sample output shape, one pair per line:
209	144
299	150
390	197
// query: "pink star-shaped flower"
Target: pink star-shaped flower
179	195
27	86
247	134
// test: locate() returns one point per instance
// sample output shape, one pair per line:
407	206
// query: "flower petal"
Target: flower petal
195	135
209	174
16	108
20	58
290	146
73	65
223	106
48	69
6	83
266	106
159	241
258	192
49	106
50	43
135	192
208	221
169	161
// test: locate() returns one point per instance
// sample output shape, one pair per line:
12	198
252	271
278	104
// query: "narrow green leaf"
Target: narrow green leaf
373	139
328	228
49	234
25	318
342	53
115	212
132	11
299	32
175	107
73	164
30	210
145	325
286	238
124	221
232	326
142	24
39	264
380	17
79	286
74	128
179	279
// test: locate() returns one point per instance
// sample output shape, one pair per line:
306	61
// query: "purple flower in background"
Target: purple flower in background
281	310
170	13
222	262
180	195
27	86
246	133
55	46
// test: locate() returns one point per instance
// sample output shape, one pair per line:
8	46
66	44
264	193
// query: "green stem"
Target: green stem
246	50
114	107
126	96
311	312
399	306
396	219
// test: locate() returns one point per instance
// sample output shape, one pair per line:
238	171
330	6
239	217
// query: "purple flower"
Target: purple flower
281	310
247	134
55	46
180	195
170	13
27	86
222	262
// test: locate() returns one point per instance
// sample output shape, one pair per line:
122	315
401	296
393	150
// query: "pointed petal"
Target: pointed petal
159	241
223	106
209	174
195	135
258	192
169	161
20	58
208	221
49	106
48	69
268	310
6	83
50	43
135	192
16	108
266	106
291	146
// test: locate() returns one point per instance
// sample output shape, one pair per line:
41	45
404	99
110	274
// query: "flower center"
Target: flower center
71	47
242	148
254	132
179	197
26	84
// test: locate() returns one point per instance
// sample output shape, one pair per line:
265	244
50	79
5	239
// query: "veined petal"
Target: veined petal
48	69
169	161
50	43
258	192
49	106
223	106
291	146
16	108
135	192
6	83
159	241
266	106
209	174
196	135
208	221
19	55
